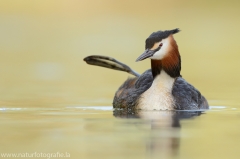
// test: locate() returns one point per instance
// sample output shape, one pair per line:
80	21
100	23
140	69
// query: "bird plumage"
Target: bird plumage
186	97
159	88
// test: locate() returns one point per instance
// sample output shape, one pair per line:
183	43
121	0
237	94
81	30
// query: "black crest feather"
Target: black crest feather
158	36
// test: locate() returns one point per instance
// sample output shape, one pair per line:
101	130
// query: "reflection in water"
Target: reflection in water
94	133
164	140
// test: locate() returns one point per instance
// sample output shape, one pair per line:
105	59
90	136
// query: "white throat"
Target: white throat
159	95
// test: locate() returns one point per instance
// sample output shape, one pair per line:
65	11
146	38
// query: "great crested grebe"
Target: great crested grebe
159	88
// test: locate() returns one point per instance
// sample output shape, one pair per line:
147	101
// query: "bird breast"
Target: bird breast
159	95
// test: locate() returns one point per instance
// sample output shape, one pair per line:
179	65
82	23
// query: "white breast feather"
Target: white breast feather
159	95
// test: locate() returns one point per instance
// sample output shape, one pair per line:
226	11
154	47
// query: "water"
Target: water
99	132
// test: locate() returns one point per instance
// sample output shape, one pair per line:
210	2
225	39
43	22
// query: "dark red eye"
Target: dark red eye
160	44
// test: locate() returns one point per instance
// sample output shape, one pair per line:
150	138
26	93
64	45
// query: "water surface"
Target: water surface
99	132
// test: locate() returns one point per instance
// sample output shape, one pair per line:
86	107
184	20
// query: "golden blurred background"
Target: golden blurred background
43	43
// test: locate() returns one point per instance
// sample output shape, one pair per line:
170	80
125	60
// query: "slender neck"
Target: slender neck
156	67
171	63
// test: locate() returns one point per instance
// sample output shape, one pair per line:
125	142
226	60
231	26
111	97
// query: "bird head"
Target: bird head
158	44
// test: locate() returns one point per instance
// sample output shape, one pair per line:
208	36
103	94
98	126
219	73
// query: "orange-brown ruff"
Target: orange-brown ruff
172	60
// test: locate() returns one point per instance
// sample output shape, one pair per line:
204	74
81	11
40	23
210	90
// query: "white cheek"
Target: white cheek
161	53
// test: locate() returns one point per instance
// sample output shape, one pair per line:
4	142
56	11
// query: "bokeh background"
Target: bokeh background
43	43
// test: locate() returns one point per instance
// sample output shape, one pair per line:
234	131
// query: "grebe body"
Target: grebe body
159	88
